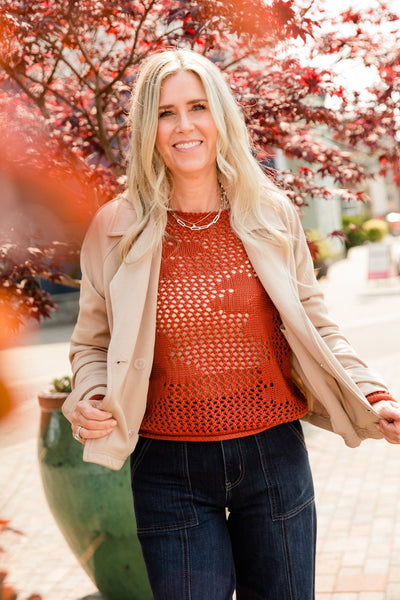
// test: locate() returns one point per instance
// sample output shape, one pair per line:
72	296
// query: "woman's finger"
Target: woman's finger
91	434
89	421
97	425
89	410
390	430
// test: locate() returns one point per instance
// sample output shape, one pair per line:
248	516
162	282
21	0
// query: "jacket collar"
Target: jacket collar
122	218
274	220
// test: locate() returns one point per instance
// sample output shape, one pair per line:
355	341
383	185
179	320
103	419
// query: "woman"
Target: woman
199	310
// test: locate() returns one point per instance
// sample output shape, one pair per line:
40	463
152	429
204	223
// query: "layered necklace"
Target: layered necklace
200	225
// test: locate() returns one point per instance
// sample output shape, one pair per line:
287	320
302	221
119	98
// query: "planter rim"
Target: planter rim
49	401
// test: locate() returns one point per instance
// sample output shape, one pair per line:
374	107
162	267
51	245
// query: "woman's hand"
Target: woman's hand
89	421
389	425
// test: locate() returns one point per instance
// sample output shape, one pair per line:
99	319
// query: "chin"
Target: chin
192	169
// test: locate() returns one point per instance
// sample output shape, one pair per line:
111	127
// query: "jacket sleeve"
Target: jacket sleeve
91	335
316	310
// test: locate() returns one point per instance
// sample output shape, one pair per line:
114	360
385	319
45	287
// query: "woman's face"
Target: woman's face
186	133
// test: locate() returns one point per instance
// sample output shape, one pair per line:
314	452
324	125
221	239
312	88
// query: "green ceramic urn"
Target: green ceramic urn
93	508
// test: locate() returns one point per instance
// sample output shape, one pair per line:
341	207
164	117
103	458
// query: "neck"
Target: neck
196	195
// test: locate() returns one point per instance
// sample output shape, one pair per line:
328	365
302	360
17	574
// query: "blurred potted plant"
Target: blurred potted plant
324	251
54	397
91	504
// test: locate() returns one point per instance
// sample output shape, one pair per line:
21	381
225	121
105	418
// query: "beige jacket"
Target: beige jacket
113	341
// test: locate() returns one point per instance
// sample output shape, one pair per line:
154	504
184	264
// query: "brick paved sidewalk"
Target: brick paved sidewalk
358	502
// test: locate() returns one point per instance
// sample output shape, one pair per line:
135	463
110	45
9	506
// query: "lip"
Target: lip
187	144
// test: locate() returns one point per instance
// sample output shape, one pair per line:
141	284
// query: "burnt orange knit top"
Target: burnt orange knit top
221	365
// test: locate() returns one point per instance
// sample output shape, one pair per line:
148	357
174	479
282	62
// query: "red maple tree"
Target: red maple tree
67	69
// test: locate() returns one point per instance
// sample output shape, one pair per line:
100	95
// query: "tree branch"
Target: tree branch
118	131
129	61
78	75
83	49
236	61
101	130
308	8
39	101
75	107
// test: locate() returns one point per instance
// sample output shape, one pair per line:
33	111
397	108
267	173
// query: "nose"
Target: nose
183	122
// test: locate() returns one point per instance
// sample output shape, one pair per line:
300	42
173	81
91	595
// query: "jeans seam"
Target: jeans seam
294	512
186	567
188	480
139	458
297	434
228	485
271	495
288	565
242	468
161	528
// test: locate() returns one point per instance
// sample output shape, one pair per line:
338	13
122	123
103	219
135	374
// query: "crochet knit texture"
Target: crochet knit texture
221	366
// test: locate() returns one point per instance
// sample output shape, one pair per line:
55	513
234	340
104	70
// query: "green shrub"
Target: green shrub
353	229
61	385
376	229
355	235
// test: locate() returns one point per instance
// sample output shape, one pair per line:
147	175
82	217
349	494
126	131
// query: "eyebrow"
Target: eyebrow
190	102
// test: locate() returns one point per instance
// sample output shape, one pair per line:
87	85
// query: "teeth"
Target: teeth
187	145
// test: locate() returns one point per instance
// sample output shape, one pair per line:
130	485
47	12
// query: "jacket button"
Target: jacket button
139	363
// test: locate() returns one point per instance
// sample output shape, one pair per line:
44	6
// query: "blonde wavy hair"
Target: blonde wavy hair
149	183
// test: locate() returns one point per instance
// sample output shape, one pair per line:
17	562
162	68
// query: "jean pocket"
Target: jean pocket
139	453
297	430
286	469
161	489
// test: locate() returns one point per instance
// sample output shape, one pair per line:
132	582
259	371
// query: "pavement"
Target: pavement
357	490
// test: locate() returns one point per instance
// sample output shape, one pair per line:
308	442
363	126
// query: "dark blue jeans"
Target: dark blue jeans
217	516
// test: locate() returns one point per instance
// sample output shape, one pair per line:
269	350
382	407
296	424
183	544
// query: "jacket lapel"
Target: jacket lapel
128	293
272	267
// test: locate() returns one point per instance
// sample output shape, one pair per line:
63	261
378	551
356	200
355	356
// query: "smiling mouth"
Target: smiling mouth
185	145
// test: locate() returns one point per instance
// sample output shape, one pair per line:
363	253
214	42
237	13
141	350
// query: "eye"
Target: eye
199	106
165	113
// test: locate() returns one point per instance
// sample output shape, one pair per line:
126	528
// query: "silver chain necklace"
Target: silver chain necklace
195	226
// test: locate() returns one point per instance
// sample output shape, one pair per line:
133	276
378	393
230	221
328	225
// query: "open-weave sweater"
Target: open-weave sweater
221	365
